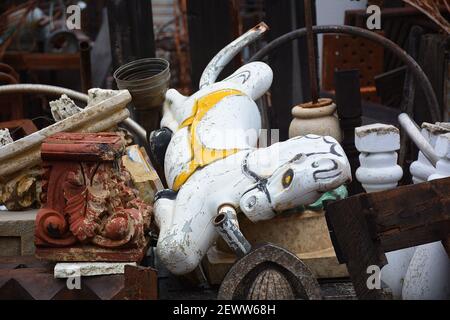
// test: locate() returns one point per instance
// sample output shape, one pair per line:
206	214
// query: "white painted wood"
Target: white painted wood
87	269
422	168
378	159
442	149
379	171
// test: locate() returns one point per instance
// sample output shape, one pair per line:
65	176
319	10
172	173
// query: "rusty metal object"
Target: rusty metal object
282	271
87	201
345	52
25	278
415	68
312	60
227	226
85	66
147	80
221	59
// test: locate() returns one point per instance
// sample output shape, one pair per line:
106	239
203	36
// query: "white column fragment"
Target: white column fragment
379	171
378	144
422	168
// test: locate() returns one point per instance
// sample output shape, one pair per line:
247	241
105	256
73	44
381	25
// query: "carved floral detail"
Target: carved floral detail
91	203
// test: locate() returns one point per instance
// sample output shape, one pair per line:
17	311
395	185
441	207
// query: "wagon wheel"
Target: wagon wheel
269	272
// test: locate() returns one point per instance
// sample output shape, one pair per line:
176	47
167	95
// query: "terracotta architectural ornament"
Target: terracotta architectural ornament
90	212
269	272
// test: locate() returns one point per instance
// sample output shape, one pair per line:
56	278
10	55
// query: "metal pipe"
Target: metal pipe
311	52
227	226
220	60
415	68
58	91
85	66
413	132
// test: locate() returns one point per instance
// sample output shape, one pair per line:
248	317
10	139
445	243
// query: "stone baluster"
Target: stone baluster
377	144
422	169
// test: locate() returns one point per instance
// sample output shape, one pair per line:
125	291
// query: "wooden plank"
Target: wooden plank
42	61
354	244
365	226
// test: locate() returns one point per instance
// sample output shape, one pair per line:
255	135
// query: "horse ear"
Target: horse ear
254	78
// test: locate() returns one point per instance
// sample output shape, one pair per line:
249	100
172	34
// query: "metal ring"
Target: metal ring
415	68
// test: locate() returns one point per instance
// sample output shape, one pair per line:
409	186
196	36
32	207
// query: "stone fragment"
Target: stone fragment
5	137
63	108
97	95
86	269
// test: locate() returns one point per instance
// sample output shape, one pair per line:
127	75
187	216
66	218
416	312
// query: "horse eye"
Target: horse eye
287	178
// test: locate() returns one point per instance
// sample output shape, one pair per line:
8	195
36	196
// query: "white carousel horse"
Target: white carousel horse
212	160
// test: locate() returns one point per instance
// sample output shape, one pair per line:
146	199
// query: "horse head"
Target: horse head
299	179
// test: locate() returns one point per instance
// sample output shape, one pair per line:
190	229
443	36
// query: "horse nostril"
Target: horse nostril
251	202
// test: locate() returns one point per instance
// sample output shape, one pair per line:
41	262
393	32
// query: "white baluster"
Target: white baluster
422	168
379	171
442	149
378	144
428	275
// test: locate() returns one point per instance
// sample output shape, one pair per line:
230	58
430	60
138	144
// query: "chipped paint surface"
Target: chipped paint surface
186	228
87	198
249	179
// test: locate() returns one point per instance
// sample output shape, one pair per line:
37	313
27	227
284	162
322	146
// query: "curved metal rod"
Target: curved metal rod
221	59
415	68
132	125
